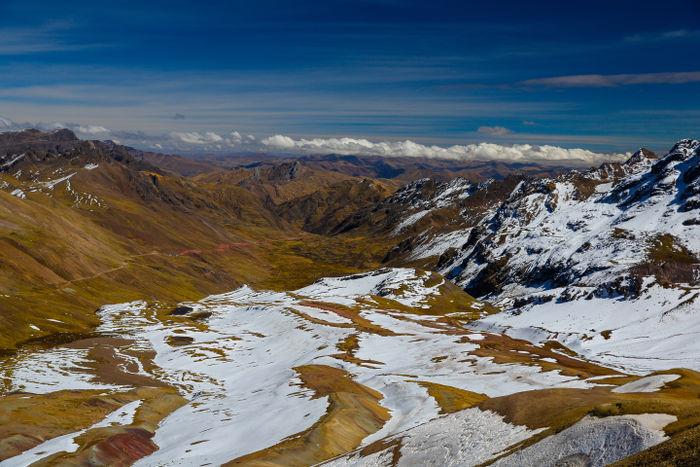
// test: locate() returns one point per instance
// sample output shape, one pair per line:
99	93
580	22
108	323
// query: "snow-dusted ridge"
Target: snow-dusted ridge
47	181
586	229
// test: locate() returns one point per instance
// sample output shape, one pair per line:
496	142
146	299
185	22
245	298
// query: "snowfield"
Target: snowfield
236	365
469	437
659	330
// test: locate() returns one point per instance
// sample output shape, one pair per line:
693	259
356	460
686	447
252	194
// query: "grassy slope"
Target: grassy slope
154	236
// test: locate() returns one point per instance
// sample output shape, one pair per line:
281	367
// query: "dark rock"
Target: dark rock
181	310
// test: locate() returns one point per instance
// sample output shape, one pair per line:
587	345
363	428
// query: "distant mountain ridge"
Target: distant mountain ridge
400	169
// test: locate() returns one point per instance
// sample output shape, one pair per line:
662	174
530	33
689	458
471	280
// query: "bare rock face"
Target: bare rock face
34	145
33	137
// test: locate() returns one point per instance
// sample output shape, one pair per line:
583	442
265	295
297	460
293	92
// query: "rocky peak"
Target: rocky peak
11	140
278	173
641	156
43	148
412	188
686	145
680	152
431	193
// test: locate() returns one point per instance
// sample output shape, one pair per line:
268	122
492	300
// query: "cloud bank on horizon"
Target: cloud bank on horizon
408	148
212	142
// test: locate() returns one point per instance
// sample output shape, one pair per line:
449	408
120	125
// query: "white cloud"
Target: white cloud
285	142
407	148
494	130
209	140
196	138
91	129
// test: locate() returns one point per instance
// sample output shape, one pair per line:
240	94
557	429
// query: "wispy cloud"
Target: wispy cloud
92	130
676	34
494	130
598	81
53	37
164	102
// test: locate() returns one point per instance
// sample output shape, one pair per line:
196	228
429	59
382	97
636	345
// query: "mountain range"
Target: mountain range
270	310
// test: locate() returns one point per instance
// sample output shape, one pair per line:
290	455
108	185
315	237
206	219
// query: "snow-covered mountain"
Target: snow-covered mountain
600	229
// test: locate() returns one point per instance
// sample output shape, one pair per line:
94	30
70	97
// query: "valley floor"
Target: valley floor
390	367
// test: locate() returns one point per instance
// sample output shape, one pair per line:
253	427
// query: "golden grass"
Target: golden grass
173	240
322	322
449	300
163	277
27	420
109	363
451	399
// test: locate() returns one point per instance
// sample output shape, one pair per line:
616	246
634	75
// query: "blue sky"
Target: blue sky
609	76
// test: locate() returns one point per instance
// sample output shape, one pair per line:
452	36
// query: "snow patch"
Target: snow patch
594	441
18	193
410	220
647	384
